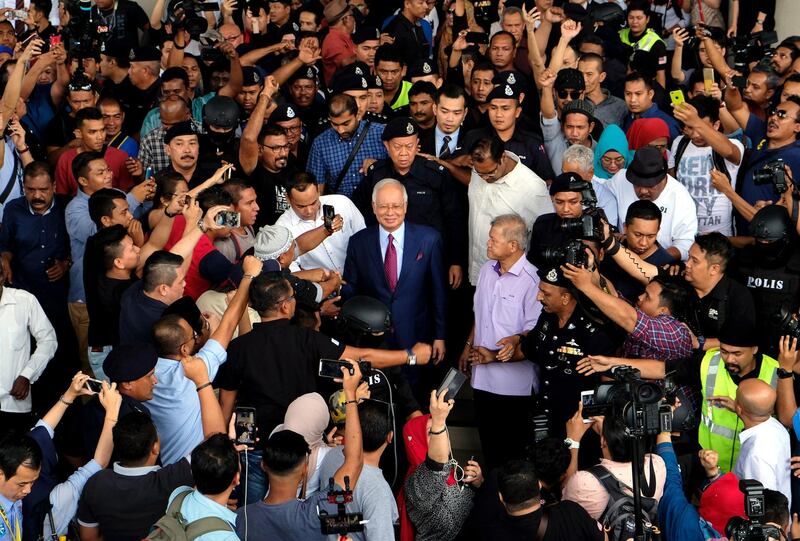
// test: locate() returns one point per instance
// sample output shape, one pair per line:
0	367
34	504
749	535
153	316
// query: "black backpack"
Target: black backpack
618	518
716	158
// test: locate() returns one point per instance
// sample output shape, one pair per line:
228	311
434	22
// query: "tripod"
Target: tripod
644	531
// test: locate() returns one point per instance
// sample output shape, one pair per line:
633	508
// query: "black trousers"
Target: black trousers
503	427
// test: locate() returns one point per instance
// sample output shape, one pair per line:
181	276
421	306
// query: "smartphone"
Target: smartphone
245	426
30	38
453	381
332	368
94	385
148	173
227	174
676	97
228	218
55	40
739	81
210	38
17	15
478	38
708	79
256	26
328	213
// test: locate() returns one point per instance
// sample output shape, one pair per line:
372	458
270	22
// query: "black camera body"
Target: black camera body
342	522
573	252
752	528
589	226
636	401
772	173
790	324
83	35
188	14
751	48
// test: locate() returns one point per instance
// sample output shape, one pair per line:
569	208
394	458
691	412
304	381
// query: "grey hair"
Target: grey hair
516	229
511	10
581	156
388	182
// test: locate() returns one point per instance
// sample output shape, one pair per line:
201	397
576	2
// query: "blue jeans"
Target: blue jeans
253	486
96	360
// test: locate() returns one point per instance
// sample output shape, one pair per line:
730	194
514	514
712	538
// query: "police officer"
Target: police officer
504	113
352	80
647	52
219	142
771	270
564	335
566	193
302	90
435	199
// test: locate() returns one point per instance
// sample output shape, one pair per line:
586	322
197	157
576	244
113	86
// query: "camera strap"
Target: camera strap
350	158
542	529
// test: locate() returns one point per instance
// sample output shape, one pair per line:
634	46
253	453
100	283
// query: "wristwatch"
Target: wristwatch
572	444
701	341
412	359
784	374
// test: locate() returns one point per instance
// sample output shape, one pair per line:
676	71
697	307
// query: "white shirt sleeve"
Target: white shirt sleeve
46	342
65	496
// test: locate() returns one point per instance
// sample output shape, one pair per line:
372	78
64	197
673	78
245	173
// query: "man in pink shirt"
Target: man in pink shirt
91	133
338	48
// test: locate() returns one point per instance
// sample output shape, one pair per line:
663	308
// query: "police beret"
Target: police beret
177	130
569	78
130	362
503	92
554	277
285	2
374	82
251	77
115	49
510	77
563	182
188	310
366	33
144	54
399	127
282	113
306	72
349	81
422	68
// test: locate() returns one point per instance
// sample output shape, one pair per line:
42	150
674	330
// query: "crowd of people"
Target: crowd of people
244	243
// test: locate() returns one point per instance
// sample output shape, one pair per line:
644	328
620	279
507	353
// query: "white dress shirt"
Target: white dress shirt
764	456
331	252
20	317
678	211
521	192
398	239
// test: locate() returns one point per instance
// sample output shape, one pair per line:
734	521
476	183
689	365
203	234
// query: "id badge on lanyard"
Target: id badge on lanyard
15	533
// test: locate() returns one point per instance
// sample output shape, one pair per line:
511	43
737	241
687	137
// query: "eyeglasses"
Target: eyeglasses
276	148
287	299
489	174
782	114
572	94
194	337
619	160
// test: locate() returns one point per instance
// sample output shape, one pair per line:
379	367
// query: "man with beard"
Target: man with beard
785	54
420	105
183	148
286	117
434	197
749	106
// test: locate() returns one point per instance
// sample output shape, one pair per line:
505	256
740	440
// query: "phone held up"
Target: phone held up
328	214
245	426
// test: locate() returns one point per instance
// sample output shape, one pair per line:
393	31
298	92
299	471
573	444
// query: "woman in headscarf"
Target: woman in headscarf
437	494
308	416
611	153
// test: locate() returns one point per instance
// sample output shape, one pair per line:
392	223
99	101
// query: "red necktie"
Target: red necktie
390	264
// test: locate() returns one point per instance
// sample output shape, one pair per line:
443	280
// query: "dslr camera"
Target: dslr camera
589	226
751	48
573	252
772	173
188	14
752	528
789	324
342	522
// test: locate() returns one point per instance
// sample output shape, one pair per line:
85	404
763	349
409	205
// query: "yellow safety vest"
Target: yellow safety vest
719	428
401	98
645	43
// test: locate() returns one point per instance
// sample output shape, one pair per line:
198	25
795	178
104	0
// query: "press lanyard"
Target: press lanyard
16	532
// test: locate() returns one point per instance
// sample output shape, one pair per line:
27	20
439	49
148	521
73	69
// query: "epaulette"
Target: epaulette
430	164
376	117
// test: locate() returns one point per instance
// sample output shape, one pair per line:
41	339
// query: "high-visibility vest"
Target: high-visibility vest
719	428
401	98
645	43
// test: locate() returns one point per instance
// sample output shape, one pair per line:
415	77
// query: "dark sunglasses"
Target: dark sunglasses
572	94
781	113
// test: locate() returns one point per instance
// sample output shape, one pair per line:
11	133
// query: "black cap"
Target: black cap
285	2
584	107
422	68
221	112
130	362
647	169
566	182
399	127
251	77
144	54
115	49
306	72
177	130
569	78
737	332
510	77
553	276
349	81
366	33
503	92
186	308
575	12
282	113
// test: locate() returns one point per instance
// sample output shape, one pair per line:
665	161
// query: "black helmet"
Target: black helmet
770	224
221	112
366	315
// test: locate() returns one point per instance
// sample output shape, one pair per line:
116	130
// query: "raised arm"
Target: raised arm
676	67
687	114
382	358
618	310
76	389
157	14
111	401
233	313
248	145
569	30
13	88
210	411
353	448
787	402
234	85
439	438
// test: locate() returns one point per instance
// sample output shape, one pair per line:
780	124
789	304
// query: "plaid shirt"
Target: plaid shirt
662	337
152	151
329	153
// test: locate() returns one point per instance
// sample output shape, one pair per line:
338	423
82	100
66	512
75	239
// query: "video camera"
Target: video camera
83	35
752	528
342	522
751	48
635	401
188	14
789	324
772	173
589	226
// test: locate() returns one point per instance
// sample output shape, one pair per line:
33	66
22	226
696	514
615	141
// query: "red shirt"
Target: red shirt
196	283
337	47
66	183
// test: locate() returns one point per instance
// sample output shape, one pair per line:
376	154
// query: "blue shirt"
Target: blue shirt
80	227
675	514
439	140
175	407
13	511
399	237
197	506
36	240
329	153
655	112
138	313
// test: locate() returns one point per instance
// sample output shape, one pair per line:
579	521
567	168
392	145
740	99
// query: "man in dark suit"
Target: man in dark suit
444	141
400	264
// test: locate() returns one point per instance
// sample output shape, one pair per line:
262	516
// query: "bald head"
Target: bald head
756	398
173	110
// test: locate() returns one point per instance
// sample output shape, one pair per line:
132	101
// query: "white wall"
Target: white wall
787	18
